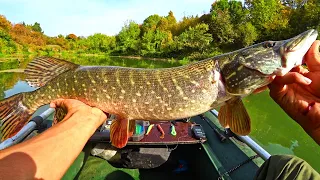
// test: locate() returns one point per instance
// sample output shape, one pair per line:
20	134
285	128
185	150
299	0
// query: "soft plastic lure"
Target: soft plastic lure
161	130
149	129
173	130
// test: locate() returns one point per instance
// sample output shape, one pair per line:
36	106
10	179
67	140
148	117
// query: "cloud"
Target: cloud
85	17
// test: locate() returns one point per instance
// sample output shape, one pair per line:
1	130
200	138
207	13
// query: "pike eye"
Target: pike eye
269	44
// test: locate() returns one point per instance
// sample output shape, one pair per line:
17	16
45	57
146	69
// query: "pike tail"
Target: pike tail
13	115
14	111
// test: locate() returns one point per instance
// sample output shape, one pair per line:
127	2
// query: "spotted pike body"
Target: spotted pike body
150	94
157	94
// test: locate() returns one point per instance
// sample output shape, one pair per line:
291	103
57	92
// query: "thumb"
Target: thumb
58	103
61	105
312	57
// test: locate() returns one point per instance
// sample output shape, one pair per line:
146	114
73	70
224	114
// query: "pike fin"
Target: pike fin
235	115
132	127
42	69
119	133
13	116
223	115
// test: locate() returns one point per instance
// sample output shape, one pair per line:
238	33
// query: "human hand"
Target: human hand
298	93
79	110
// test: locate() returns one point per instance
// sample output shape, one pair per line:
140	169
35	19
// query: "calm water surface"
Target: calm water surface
271	127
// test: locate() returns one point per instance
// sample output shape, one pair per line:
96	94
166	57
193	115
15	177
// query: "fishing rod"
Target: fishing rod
33	124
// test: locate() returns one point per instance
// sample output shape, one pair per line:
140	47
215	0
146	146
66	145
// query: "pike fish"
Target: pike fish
158	94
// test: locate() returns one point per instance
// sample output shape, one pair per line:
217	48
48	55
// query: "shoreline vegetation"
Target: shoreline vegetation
229	25
20	57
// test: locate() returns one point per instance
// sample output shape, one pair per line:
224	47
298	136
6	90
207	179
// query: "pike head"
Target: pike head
250	68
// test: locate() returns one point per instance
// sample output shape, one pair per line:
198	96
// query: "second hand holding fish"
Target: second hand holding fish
298	93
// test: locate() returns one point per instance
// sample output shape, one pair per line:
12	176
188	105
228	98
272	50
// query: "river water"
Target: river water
271	127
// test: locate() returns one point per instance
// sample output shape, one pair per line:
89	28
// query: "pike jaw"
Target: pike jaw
293	50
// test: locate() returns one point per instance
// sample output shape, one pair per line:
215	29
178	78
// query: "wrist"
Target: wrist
94	117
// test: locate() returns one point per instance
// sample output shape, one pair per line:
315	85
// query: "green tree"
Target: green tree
246	34
194	39
100	43
221	28
7	45
186	22
270	18
128	39
154	42
293	4
171	21
230	25
219	5
150	23
36	27
238	13
305	16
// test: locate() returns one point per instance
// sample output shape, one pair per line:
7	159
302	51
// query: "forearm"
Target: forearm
50	154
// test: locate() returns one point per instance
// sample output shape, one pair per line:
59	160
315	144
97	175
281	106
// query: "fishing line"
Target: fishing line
172	149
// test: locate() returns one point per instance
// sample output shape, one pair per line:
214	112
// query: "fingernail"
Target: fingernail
307	80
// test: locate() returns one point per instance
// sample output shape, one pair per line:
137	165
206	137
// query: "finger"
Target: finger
277	90
312	57
62	103
278	86
58	103
53	105
315	86
300	69
259	90
292	77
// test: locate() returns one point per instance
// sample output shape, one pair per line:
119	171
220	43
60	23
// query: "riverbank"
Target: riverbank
71	55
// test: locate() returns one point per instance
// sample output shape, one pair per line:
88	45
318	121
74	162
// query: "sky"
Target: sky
86	17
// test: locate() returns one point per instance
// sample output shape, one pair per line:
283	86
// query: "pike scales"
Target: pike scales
157	94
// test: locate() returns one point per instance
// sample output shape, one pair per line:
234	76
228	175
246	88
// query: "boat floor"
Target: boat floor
97	168
204	161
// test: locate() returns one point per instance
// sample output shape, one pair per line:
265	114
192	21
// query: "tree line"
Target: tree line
229	25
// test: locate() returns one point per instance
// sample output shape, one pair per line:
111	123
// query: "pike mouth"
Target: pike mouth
312	37
302	40
294	50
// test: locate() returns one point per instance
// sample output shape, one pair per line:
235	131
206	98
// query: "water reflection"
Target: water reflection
20	86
